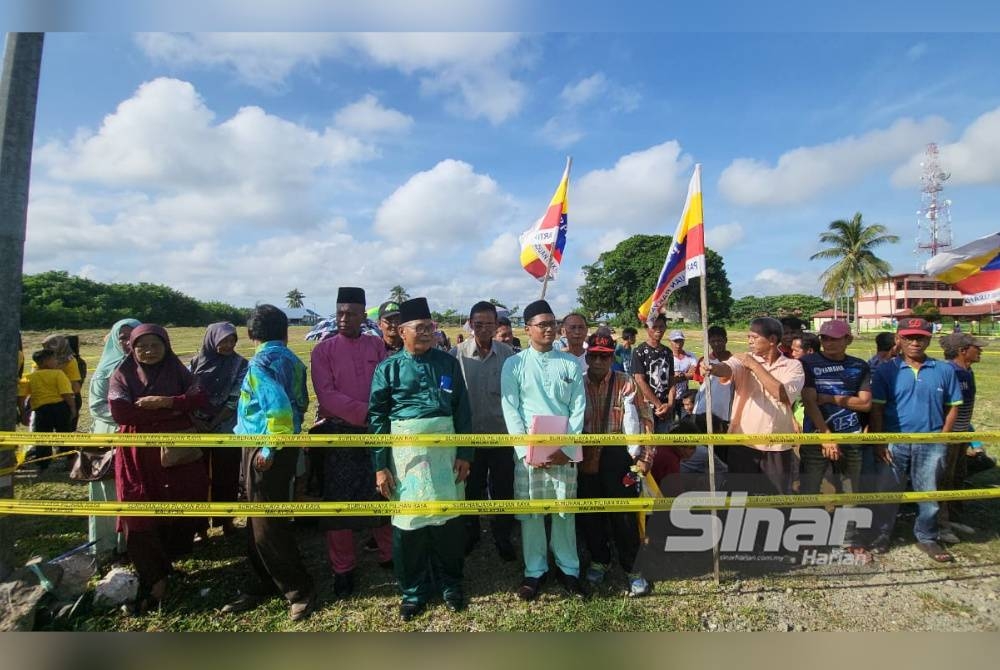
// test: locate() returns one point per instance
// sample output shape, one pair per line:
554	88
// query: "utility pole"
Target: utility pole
22	62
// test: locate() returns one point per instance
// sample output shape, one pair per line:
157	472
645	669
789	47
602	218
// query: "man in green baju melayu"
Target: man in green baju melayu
420	390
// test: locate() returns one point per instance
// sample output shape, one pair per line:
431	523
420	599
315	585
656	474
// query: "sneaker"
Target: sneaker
530	587
596	572
638	586
947	536
409	611
243	603
572	585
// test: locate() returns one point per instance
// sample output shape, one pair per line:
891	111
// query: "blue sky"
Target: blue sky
237	166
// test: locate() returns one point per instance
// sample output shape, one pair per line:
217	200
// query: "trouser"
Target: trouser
103	529
148	552
562	543
599	528
272	550
429	555
955	470
340	547
52	418
316	460
491	477
923	466
845	474
75	421
761	472
223	465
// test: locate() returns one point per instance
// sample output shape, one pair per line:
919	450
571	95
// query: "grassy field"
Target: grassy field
216	570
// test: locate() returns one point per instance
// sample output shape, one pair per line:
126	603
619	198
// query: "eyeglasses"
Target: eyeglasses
422	329
545	325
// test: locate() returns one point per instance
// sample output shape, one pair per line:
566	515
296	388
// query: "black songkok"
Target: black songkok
350	294
414	310
536	308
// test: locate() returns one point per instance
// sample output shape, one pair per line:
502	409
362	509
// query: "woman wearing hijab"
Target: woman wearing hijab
219	371
153	392
116	349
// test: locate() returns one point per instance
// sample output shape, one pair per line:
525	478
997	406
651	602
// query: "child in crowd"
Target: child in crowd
51	398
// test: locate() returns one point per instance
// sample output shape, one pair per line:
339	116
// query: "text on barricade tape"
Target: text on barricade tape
480	440
468	507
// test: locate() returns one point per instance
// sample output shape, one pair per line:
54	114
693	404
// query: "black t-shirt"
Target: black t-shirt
658	367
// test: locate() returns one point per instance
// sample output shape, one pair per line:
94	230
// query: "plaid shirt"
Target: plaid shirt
596	422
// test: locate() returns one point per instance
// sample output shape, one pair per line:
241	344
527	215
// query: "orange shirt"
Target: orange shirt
756	411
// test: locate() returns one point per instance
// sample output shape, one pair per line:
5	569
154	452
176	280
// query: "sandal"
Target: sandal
861	555
934	550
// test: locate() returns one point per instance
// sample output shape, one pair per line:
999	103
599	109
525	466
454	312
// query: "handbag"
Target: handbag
171	457
93	465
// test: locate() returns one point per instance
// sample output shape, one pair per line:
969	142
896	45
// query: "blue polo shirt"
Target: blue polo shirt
915	400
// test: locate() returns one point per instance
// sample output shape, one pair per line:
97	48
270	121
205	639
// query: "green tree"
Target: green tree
294	298
851	246
398	294
927	310
621	280
750	307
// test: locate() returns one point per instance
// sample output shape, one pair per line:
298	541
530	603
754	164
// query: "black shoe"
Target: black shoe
573	586
506	551
409	611
386	565
243	603
343	585
455	603
530	588
370	545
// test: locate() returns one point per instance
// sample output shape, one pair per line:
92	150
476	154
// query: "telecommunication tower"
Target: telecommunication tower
934	215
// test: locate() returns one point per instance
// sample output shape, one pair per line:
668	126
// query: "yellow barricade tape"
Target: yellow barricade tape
469	440
466	507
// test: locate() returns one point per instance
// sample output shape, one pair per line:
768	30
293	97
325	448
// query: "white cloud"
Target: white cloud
644	191
805	172
500	257
561	132
446	203
584	90
608	241
368	117
973	159
726	236
916	51
771	281
472	70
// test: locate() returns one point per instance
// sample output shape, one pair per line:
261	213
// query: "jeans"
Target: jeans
921	464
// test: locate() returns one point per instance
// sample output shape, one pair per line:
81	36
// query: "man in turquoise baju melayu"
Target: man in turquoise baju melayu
420	390
540	381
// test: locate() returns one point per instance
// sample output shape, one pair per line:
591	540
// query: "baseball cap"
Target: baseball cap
599	343
835	328
913	326
388	308
675	335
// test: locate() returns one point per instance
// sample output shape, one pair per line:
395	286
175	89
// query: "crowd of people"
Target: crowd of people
402	379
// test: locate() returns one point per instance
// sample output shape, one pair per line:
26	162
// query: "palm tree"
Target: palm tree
295	298
398	294
851	245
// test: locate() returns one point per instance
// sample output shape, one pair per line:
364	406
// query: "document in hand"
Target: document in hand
545	424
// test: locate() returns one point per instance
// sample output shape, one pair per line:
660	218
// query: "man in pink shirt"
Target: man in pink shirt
342	370
765	385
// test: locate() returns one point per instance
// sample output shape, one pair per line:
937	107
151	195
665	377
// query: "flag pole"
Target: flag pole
703	283
552	247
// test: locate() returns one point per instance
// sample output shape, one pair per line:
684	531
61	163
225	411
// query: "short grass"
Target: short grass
215	572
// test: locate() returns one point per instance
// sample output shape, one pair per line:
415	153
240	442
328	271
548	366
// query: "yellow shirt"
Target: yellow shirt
71	370
48	387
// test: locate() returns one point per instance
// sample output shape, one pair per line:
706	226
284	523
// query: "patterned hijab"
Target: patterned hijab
60	345
113	353
216	373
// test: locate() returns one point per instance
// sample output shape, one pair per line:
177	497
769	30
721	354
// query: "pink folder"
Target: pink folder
545	424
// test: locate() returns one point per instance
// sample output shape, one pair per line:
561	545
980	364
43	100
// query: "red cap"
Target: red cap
835	328
600	344
913	326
